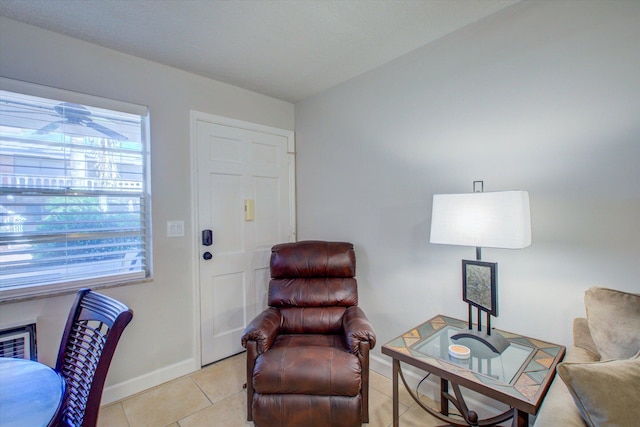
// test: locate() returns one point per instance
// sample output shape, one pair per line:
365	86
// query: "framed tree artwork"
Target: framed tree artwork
479	285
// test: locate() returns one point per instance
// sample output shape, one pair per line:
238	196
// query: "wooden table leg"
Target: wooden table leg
394	380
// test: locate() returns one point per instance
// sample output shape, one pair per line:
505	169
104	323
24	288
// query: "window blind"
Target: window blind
73	194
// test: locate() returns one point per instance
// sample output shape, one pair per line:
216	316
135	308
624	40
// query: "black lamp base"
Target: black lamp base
496	342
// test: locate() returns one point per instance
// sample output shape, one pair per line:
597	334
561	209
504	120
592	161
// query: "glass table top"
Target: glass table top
502	367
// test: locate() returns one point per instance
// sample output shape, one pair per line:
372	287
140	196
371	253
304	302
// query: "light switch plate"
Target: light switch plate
175	228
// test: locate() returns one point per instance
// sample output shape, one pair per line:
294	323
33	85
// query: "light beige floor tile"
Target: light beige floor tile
385	386
222	379
231	412
380	383
409	411
415	416
112	416
165	404
381	409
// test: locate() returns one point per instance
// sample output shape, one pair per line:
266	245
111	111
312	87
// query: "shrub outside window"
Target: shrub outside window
74	193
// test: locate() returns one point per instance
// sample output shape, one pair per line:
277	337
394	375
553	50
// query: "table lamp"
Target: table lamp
498	219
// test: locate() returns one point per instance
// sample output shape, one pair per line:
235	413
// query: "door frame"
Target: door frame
194	117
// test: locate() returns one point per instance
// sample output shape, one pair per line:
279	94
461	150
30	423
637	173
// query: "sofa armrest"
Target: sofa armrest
582	336
357	329
262	329
559	408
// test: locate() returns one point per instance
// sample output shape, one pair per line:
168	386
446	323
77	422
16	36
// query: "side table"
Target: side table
519	377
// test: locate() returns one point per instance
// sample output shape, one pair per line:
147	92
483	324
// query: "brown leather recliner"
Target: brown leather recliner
308	353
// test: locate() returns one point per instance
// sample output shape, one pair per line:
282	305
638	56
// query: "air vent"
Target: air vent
19	342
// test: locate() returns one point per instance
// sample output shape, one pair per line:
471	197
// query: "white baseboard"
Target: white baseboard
380	365
116	392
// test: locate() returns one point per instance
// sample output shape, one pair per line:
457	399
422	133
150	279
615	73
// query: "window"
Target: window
74	193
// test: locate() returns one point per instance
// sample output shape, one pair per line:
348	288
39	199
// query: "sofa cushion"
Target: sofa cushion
582	338
606	393
614	322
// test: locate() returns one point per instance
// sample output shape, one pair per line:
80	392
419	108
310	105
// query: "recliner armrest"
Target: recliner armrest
262	329
357	329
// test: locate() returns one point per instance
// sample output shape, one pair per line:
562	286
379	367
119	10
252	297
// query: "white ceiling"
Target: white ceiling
288	49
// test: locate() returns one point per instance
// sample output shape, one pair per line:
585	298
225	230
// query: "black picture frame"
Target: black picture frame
479	286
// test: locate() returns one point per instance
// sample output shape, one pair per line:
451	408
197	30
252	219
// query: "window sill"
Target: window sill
12	296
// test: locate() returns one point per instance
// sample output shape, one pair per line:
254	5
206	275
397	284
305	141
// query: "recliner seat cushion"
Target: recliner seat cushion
312	370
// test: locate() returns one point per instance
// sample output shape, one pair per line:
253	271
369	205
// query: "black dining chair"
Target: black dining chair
92	332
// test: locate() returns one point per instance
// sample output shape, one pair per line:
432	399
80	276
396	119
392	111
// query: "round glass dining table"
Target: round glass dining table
31	393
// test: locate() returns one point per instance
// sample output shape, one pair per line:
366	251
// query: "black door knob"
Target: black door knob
207	256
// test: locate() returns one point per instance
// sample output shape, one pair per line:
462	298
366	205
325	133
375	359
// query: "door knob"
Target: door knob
207	256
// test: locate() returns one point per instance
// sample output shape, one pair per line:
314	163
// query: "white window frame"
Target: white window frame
30	291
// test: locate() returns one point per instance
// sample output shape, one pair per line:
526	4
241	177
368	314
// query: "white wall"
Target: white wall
159	344
544	97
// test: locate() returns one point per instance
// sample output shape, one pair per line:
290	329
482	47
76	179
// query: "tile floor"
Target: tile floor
213	396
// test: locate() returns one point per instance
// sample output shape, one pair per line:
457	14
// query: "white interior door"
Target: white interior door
245	197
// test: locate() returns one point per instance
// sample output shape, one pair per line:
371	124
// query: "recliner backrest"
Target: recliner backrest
312	283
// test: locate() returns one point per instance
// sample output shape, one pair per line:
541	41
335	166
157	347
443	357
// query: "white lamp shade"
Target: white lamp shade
498	219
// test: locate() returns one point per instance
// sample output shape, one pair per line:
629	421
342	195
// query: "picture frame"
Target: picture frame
479	286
